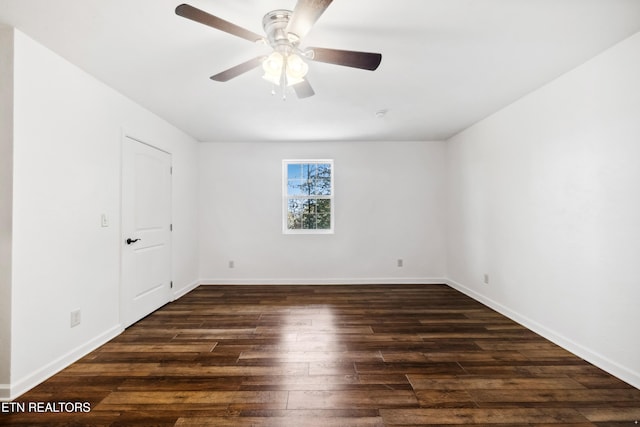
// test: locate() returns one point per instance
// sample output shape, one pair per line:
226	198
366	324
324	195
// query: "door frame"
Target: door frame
124	135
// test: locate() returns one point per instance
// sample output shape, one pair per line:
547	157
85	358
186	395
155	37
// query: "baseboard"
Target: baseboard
5	392
179	293
330	281
593	357
14	390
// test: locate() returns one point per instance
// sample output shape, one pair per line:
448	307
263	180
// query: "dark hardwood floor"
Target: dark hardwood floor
332	356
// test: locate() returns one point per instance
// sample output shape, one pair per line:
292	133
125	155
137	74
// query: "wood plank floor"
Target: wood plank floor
419	355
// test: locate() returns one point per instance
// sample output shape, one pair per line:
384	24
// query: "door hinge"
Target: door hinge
171	284
170	227
171	170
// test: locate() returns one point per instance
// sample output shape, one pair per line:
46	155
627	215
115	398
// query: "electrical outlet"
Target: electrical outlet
232	264
75	318
486	279
400	262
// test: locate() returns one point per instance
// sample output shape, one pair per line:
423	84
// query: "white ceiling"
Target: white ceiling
446	63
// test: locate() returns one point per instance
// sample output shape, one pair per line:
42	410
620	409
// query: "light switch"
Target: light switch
104	221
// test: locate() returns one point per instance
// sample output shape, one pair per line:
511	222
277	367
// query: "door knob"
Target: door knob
130	241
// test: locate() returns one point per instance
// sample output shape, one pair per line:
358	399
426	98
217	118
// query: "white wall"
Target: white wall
388	205
67	146
544	196
6	200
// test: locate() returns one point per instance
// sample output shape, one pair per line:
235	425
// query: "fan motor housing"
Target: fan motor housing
275	27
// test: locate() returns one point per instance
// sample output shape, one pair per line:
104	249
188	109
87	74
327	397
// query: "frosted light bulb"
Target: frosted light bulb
272	67
296	67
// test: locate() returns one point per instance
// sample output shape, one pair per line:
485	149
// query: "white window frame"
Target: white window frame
286	197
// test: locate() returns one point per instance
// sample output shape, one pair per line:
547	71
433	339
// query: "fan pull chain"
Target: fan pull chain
283	79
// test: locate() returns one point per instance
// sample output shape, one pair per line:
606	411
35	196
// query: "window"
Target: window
307	196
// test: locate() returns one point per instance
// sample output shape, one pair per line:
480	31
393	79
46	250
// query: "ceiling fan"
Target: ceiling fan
284	29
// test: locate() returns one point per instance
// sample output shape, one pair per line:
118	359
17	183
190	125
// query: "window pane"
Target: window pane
324	170
312	171
294	214
295	187
309	214
324	214
294	170
309	178
323	180
322	187
307	187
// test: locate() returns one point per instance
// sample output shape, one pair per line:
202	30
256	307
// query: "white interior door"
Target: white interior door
146	228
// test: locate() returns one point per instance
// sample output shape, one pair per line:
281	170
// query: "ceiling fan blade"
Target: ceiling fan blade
347	58
303	89
239	69
195	14
305	14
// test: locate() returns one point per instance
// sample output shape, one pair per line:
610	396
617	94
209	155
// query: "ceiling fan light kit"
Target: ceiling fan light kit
284	72
286	66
